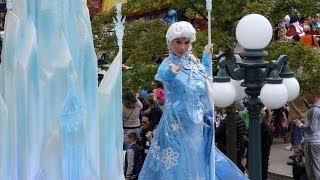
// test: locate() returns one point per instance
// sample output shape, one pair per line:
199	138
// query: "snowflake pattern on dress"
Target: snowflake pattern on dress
169	158
194	68
155	151
175	127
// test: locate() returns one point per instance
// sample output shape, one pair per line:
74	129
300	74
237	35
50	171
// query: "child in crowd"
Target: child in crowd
132	164
298	168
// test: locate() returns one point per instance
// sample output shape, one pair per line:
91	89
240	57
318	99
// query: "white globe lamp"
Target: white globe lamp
292	86
225	94
274	96
254	31
240	93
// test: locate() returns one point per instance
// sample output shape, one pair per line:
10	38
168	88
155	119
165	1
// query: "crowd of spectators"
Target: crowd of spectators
141	115
299	29
145	111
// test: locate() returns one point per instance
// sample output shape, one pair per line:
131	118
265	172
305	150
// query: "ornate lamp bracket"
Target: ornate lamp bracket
229	70
276	70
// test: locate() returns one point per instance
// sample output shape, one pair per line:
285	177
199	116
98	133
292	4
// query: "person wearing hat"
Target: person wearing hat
314	25
281	30
294	28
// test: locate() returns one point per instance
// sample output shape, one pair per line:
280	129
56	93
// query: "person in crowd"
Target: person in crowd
280	121
221	138
266	139
311	130
145	105
298	164
146	135
245	114
294	28
143	99
154	109
182	144
152	87
295	39
281	29
286	21
131	110
2	21
314	25
142	95
161	97
132	163
304	21
308	39
298	109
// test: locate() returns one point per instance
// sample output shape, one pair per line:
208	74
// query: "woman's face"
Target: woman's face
145	122
180	46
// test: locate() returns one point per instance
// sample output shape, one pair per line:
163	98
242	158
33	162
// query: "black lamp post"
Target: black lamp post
266	83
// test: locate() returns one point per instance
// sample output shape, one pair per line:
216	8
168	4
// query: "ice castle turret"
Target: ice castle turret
110	112
49	123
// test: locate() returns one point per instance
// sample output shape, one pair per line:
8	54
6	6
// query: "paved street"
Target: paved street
278	168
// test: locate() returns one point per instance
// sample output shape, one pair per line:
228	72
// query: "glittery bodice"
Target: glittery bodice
187	90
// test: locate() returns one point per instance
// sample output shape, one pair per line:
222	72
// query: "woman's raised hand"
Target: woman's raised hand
208	48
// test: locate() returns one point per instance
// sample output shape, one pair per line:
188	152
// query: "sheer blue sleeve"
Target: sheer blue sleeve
164	74
206	61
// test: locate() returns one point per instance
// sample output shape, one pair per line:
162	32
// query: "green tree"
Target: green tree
145	40
301	57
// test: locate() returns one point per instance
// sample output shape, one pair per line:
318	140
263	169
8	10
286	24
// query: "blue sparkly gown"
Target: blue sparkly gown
181	147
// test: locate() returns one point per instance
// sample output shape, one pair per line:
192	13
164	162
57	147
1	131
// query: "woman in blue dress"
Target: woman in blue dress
182	146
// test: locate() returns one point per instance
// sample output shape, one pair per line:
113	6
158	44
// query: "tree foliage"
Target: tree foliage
143	6
145	40
301	57
139	76
105	40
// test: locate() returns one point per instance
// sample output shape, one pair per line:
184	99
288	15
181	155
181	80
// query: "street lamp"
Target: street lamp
266	83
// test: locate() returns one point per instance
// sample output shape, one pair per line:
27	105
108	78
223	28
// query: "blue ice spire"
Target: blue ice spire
45	44
8	89
110	112
28	121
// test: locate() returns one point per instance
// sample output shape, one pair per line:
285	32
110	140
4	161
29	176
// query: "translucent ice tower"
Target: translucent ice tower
48	93
110	112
